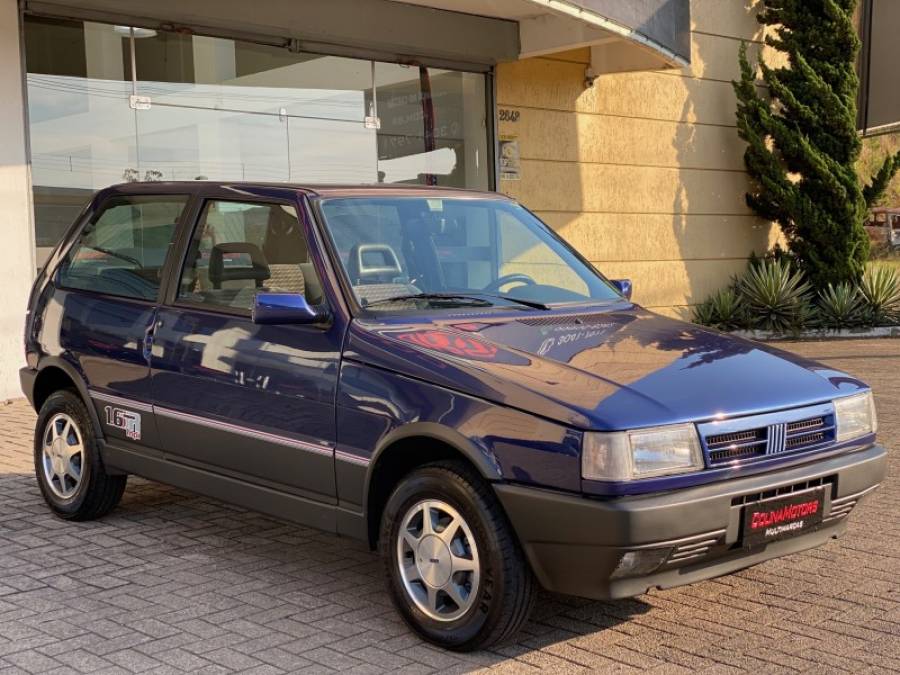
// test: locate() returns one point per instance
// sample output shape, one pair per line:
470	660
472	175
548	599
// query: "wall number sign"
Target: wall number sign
507	115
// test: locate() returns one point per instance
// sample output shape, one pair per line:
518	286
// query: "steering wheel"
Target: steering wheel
515	277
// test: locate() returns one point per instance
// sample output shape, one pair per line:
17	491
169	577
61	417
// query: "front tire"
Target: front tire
455	570
67	461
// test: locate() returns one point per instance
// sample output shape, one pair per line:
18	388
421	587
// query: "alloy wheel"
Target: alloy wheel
63	455
438	560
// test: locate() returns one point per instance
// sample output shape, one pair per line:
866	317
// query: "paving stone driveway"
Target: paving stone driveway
171	582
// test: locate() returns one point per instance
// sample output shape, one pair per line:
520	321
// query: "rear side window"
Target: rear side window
123	249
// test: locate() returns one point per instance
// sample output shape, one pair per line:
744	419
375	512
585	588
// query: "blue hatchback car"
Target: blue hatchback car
434	372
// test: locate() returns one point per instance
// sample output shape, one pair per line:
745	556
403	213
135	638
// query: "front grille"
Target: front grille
804	425
792	443
738	437
736	445
769	435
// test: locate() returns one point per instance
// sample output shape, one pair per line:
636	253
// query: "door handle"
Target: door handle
148	345
149	333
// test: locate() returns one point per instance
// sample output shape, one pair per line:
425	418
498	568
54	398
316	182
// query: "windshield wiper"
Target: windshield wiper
474	298
451	297
534	304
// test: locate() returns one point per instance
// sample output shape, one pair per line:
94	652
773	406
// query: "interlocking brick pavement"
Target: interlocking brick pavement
171	582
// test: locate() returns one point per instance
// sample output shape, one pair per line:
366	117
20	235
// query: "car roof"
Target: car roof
311	190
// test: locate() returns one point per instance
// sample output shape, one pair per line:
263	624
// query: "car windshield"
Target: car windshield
401	253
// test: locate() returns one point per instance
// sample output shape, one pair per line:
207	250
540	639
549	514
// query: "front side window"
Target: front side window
242	248
121	251
412	252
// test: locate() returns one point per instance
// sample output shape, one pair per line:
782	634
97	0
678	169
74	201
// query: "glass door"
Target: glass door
222	109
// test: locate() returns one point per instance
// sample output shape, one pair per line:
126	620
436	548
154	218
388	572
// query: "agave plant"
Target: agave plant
728	310
723	310
840	306
805	316
704	314
776	297
880	290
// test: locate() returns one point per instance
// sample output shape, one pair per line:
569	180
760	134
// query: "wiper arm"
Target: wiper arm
474	298
534	304
432	296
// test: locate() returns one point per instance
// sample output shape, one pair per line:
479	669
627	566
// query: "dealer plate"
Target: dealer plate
783	517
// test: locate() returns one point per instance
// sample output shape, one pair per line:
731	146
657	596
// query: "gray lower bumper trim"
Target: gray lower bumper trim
574	543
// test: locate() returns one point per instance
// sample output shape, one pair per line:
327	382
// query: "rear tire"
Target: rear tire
460	579
67	461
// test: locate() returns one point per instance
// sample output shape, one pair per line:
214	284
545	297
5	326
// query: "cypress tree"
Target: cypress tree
802	141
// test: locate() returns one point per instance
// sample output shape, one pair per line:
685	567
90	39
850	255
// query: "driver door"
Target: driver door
253	402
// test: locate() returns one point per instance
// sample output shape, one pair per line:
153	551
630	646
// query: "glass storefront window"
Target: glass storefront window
82	128
223	109
433	126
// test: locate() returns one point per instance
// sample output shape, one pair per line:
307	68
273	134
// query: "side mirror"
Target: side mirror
623	286
285	308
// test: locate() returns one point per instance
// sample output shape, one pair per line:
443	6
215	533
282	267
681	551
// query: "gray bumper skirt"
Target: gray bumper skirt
575	545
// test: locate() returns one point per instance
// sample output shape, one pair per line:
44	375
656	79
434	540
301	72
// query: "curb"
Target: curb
826	334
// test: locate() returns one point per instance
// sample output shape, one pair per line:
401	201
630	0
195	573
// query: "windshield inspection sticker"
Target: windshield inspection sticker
127	421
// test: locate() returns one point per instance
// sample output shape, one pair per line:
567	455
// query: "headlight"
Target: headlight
855	416
642	453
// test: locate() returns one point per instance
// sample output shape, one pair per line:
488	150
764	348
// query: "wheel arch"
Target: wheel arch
55	374
412	446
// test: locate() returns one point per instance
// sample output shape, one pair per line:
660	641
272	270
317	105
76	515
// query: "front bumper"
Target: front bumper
575	544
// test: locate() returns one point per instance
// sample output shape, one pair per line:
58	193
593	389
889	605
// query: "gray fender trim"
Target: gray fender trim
486	463
80	385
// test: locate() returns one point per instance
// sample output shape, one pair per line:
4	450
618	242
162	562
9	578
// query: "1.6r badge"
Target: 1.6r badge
127	421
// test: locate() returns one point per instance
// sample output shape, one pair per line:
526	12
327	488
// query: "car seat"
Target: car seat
285	250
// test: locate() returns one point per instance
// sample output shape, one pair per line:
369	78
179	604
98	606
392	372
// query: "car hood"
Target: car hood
617	367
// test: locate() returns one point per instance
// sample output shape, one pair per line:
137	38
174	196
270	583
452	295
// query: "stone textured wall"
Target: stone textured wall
643	172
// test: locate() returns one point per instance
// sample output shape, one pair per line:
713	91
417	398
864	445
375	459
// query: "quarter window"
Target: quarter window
241	248
123	249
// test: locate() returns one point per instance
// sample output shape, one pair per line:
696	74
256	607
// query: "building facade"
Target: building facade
613	121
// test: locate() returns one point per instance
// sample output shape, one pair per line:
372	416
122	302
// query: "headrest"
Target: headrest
373	262
258	270
285	242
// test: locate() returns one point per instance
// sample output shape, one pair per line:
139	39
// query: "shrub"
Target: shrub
840	306
703	314
723	310
806	316
802	140
776	297
880	291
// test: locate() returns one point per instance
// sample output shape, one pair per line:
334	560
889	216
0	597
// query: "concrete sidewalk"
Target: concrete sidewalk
171	582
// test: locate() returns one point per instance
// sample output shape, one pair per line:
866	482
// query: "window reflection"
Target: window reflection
224	109
433	126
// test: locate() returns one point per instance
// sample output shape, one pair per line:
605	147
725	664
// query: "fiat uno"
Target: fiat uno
434	372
